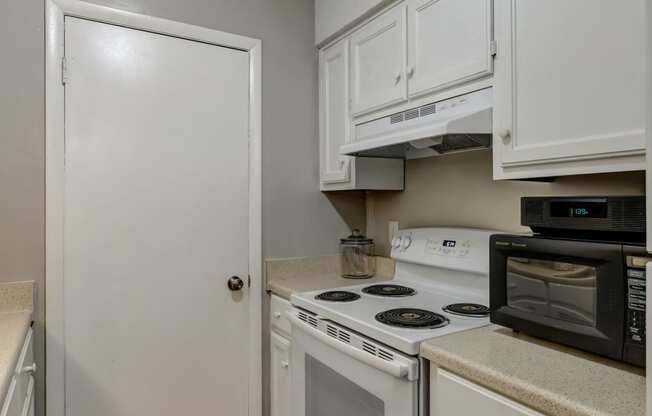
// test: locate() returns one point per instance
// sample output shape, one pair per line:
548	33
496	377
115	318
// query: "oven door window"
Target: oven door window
562	291
328	393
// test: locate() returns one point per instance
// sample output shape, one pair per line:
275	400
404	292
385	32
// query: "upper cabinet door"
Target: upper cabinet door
334	118
449	43
378	52
568	81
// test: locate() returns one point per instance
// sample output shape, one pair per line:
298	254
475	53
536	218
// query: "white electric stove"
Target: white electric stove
435	267
365	339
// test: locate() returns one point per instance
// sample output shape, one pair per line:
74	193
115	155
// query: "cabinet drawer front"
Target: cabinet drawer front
449	43
378	57
278	317
451	395
559	98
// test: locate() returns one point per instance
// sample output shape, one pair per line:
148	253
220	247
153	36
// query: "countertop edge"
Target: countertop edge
541	400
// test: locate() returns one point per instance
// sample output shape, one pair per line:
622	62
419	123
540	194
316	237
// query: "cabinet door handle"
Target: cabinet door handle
277	315
410	73
397	77
504	134
31	369
285	364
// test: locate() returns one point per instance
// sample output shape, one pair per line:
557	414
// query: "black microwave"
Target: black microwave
571	283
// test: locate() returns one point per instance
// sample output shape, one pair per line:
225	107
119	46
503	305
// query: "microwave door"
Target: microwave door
567	291
559	290
334	375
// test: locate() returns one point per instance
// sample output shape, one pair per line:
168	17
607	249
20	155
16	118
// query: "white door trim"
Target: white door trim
55	12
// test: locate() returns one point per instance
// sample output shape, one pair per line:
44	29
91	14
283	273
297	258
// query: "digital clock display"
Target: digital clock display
449	243
578	209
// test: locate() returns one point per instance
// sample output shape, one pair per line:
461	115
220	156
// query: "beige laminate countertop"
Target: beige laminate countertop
288	276
550	378
16	303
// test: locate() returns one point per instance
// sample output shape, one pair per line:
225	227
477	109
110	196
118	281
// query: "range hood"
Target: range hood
454	125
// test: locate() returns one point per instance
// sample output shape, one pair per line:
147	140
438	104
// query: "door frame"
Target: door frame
55	12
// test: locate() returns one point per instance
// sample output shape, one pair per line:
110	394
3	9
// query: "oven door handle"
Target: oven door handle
395	369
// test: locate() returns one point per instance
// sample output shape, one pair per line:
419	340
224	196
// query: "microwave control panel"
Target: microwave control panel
636	282
636	305
635	300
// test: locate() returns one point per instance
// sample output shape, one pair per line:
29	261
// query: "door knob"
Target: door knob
235	283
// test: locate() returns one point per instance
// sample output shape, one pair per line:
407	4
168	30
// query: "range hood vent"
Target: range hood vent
458	124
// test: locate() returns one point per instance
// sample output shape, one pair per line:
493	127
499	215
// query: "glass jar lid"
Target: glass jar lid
356	239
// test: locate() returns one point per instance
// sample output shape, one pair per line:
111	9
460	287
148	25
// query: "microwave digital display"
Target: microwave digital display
578	209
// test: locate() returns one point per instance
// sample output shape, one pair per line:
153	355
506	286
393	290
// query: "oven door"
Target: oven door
335	371
566	291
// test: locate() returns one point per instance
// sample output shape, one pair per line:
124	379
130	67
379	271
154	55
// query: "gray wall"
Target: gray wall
22	167
458	190
298	220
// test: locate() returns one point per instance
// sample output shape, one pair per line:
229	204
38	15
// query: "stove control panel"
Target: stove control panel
455	248
448	247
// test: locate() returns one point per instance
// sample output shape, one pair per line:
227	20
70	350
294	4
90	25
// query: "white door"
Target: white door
334	116
279	375
448	43
378	55
568	86
156	221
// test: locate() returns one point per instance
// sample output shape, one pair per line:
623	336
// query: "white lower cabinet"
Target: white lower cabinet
20	396
451	395
279	367
279	375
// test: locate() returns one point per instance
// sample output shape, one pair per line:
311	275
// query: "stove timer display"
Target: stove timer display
448	248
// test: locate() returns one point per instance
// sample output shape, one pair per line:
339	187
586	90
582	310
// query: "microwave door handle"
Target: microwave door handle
392	368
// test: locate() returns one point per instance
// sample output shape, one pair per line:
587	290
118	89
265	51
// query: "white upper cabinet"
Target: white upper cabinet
378	60
333	16
338	172
334	120
568	87
449	42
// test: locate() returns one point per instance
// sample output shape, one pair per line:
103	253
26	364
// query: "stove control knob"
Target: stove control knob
405	242
396	242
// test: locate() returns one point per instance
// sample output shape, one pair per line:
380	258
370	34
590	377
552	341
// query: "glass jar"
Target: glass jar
357	256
